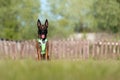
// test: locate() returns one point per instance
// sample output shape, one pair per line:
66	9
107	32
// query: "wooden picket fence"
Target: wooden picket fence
17	49
62	49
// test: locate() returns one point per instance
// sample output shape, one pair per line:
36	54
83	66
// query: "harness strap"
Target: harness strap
42	44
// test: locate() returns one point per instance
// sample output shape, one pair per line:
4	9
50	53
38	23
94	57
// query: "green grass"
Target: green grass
59	70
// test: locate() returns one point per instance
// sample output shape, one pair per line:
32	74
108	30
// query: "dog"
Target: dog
42	44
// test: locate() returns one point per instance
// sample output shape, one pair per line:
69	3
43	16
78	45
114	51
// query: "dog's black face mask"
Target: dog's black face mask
42	29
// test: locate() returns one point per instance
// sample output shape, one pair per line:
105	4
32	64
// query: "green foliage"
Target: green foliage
59	29
106	13
70	16
18	18
59	70
86	16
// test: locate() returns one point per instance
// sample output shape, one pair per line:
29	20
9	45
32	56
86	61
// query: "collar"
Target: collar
41	40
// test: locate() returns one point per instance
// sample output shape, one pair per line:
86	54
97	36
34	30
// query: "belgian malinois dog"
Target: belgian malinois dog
42	42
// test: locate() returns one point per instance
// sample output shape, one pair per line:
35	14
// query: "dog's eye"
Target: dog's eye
42	31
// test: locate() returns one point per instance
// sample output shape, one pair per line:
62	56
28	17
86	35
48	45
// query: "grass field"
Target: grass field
59	70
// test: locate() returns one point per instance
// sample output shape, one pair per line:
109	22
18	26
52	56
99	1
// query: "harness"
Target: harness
42	44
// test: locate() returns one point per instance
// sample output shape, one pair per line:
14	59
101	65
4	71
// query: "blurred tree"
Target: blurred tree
76	14
59	29
18	18
85	15
107	15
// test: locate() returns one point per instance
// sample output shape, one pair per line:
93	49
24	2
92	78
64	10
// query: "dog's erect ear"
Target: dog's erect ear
46	23
38	23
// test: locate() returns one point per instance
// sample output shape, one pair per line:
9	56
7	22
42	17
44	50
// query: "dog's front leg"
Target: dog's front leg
47	49
39	54
38	51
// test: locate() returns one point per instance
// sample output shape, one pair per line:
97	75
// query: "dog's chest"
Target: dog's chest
42	45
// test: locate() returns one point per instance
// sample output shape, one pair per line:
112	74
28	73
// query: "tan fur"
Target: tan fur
38	51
